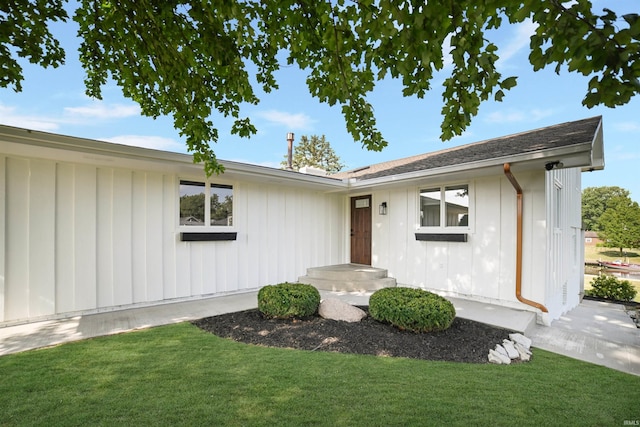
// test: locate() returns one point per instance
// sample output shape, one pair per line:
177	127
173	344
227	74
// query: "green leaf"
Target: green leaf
194	60
509	82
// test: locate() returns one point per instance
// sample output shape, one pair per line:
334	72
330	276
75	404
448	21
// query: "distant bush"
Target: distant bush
412	309
288	300
610	287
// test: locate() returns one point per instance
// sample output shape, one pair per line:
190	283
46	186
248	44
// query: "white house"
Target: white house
88	226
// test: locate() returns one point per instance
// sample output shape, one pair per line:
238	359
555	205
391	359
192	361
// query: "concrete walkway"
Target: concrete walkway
596	332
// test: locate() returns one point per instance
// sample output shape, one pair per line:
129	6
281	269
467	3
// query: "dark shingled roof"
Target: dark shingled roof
561	135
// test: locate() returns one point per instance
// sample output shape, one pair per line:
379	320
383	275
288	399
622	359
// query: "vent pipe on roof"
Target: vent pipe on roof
516	186
290	151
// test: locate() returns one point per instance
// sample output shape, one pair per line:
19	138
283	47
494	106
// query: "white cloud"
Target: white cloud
72	115
447	59
9	117
268	164
505	117
518	41
100	110
154	142
298	121
514	116
627	126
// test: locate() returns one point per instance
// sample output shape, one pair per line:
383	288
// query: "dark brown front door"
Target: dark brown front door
361	230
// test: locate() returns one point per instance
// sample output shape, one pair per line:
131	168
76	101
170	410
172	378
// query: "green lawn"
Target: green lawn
593	254
180	375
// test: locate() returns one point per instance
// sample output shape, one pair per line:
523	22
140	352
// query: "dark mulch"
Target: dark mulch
465	341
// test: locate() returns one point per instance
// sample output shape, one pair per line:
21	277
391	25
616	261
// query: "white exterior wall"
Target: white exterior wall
565	259
483	268
83	237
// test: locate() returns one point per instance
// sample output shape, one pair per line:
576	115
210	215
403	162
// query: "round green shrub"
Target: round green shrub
609	287
288	300
412	309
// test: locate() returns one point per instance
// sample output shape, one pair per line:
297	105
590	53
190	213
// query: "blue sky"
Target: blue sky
53	100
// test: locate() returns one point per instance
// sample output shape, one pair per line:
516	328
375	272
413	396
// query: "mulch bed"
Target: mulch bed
465	341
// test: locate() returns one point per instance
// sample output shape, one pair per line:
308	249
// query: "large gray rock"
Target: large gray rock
335	309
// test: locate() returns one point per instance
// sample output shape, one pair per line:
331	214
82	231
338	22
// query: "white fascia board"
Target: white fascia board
85	145
257	172
20	142
597	151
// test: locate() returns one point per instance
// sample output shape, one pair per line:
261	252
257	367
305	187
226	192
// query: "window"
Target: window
195	196
444	207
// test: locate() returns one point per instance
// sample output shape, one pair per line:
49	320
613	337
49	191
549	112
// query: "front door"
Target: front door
361	230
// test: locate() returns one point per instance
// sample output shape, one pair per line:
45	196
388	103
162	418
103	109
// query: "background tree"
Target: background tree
594	203
620	224
192	206
188	58
221	210
316	152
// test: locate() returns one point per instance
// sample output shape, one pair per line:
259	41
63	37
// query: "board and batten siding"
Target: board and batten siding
84	238
482	268
565	259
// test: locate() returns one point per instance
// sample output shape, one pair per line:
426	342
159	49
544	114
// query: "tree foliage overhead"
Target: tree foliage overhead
189	59
24	33
315	151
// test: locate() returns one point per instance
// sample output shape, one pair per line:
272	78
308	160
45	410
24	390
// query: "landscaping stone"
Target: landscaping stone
494	358
517	349
498	357
335	309
500	349
525	354
511	349
519	338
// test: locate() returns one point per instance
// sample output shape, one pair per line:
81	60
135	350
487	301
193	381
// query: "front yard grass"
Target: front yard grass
181	375
595	253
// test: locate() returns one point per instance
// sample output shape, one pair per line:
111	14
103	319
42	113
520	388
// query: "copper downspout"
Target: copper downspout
512	180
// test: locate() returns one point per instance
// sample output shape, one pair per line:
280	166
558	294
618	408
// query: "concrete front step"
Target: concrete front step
348	278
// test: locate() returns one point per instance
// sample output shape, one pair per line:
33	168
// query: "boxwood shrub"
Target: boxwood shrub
609	287
288	300
412	309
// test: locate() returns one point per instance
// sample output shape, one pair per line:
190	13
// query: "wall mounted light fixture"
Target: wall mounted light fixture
382	210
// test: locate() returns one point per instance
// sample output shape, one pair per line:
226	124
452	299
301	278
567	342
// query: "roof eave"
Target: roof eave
578	155
597	151
102	153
